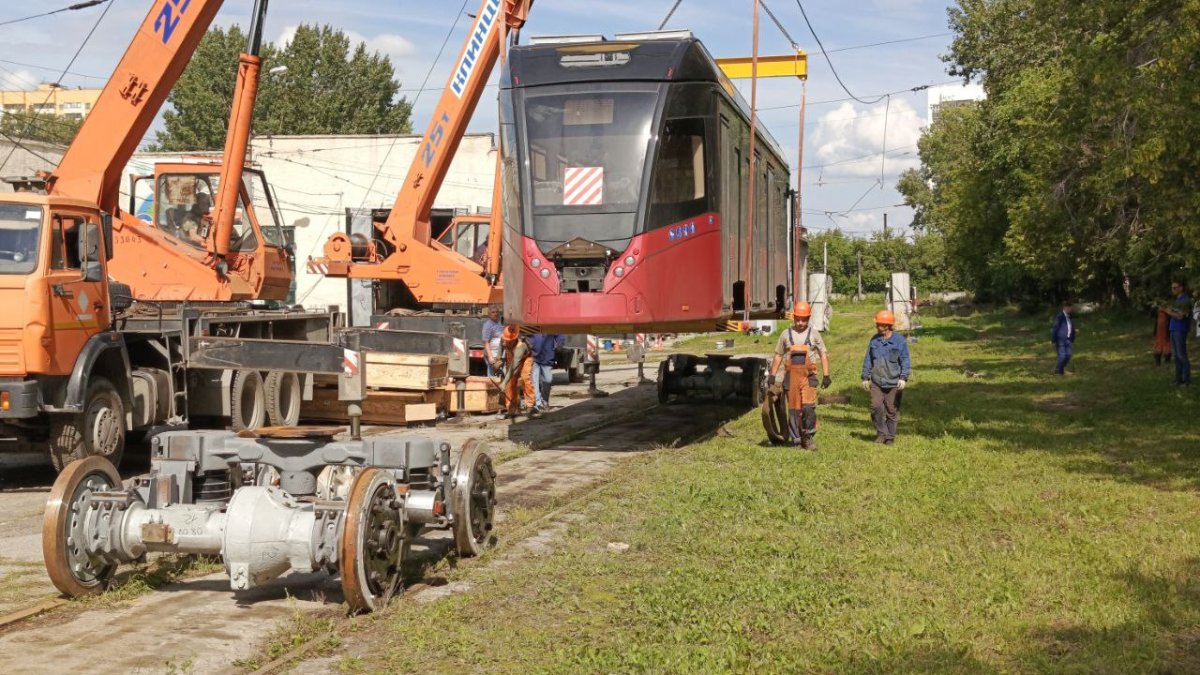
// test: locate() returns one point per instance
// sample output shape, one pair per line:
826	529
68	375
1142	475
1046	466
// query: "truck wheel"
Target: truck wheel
283	395
575	375
99	430
247	402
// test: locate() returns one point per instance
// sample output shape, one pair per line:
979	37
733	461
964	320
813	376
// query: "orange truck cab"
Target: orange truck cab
60	359
170	222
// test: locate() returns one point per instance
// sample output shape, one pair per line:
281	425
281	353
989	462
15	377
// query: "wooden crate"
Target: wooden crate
382	407
417	372
481	396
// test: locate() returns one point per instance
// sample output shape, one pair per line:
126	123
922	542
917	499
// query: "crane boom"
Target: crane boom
414	203
164	43
407	261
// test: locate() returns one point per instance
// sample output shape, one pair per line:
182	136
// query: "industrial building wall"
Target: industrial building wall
316	178
27	159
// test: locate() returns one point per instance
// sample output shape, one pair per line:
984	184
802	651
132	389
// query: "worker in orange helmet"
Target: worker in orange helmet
518	375
798	351
885	372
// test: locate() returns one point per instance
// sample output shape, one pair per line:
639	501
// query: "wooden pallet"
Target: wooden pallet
481	396
382	407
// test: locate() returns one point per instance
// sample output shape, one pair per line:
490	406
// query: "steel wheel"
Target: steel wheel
72	569
758	382
473	498
664	371
372	546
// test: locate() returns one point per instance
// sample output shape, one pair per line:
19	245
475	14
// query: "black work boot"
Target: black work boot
880	439
812	444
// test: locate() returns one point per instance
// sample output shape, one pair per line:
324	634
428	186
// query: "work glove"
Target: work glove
866	385
771	381
826	381
901	385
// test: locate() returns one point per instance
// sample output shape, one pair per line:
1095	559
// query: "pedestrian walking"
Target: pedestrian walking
518	374
885	372
493	331
1162	336
1180	311
545	352
1063	336
798	351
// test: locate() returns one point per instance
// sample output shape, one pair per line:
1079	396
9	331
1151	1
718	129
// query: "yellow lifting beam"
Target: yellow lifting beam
788	65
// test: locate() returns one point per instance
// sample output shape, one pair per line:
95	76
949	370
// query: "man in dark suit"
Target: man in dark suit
1063	336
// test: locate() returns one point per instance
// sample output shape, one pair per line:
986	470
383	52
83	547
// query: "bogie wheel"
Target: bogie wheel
372	548
473	500
247	402
97	431
758	383
283	396
71	568
664	371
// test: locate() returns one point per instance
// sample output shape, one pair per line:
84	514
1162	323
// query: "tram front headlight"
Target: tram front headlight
536	262
545	272
619	271
629	261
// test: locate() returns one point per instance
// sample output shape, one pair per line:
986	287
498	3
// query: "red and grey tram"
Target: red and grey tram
626	187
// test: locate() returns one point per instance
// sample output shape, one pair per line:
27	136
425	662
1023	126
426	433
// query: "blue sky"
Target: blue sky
846	180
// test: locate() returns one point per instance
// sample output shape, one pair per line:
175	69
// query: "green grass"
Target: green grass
136	581
1022	522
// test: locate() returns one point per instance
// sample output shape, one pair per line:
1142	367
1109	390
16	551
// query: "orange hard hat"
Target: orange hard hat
511	333
802	309
885	317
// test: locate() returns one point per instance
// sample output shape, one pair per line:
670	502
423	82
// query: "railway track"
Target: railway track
200	624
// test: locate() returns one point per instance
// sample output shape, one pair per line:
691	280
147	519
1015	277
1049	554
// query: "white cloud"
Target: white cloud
848	140
18	79
394	46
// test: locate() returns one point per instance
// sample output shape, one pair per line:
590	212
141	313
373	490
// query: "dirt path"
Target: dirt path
201	626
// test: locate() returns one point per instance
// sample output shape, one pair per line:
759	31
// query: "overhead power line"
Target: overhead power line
829	61
889	42
82	44
78	5
880	97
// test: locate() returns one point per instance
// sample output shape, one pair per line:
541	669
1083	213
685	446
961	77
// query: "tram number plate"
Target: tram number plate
681	231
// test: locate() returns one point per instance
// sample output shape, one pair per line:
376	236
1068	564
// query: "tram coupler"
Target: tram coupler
708	377
192	502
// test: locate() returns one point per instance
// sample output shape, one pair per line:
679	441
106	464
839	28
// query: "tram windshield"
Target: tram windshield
585	152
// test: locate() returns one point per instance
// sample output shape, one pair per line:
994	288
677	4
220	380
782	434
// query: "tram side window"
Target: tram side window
679	173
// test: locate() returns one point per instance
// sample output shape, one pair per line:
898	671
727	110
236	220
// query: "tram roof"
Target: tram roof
645	58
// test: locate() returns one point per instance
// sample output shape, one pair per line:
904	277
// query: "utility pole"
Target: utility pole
885	234
826	258
859	297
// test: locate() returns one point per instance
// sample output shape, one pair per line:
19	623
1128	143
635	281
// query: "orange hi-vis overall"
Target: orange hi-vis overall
800	384
521	382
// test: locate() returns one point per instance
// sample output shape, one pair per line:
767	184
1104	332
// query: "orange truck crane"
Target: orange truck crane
441	283
102	337
237	251
411	268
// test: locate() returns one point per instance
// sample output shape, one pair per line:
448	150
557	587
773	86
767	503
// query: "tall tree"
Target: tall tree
328	88
45	127
1079	173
